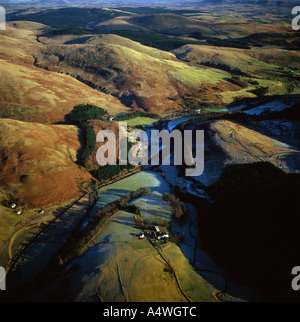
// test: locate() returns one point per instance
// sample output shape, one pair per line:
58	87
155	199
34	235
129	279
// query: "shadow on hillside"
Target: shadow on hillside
251	229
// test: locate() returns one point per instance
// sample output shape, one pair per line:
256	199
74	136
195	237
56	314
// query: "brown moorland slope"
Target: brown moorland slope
256	62
38	162
29	93
223	23
162	23
33	94
140	76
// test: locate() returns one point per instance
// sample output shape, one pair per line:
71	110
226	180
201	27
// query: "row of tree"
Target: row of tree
110	171
80	237
80	116
180	210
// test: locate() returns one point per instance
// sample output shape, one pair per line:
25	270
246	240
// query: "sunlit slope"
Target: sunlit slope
109	39
228	22
18	41
162	23
254	60
274	68
140	76
68	16
38	162
29	93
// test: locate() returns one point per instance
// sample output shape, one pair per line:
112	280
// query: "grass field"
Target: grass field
118	266
140	121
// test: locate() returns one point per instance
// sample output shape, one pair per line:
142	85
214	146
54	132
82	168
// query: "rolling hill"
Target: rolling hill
30	93
46	70
67	16
274	68
167	23
47	97
40	172
141	77
39	162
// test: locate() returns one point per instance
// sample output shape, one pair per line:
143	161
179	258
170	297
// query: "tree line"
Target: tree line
80	237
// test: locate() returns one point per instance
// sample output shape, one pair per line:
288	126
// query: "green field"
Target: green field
140	121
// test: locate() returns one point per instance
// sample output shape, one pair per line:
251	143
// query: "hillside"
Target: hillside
29	93
167	23
277	3
47	71
272	67
32	94
256	210
145	78
140	76
40	172
243	145
209	23
68	16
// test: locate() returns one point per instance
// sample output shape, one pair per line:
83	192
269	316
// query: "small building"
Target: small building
157	229
139	152
165	236
13	206
41	211
142	236
19	212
